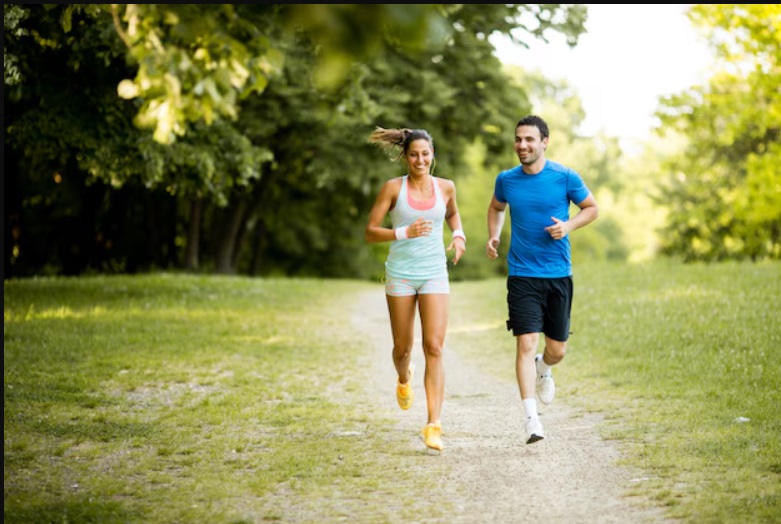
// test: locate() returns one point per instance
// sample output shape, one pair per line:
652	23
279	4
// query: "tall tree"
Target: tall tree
724	191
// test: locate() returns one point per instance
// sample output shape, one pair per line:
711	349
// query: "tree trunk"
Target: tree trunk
193	235
258	247
240	236
228	240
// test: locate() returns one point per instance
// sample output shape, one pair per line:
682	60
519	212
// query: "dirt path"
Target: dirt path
488	472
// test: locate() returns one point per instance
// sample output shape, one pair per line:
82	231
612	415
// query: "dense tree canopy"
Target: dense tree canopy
232	137
724	191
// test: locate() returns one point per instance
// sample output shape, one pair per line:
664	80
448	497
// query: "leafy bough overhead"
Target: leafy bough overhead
196	62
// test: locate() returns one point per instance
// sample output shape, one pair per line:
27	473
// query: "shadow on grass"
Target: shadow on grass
81	509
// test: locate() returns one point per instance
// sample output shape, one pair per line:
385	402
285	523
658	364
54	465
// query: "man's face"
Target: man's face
529	144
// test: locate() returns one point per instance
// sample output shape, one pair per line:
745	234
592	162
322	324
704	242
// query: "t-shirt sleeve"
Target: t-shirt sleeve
577	191
499	190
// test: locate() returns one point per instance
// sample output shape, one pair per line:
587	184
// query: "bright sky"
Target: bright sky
629	57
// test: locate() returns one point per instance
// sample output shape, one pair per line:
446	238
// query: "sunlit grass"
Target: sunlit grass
172	398
168	398
683	362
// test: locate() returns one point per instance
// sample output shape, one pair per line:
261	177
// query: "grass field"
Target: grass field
684	363
183	399
172	398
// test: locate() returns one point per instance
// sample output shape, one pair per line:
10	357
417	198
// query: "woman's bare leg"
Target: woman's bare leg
433	320
402	318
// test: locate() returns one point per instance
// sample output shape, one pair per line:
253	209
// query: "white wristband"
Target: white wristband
401	233
459	233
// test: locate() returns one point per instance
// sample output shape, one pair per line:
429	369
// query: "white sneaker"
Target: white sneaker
546	388
534	430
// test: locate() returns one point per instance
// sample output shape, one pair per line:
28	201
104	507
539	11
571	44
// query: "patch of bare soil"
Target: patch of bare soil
488	473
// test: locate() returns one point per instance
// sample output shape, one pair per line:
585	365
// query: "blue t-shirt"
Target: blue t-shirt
533	200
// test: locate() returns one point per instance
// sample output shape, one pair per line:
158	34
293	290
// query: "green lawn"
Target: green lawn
684	363
173	398
185	399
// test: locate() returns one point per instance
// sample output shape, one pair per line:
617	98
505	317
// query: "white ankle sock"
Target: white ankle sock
530	406
542	367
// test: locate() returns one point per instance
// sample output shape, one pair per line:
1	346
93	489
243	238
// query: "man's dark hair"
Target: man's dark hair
534	120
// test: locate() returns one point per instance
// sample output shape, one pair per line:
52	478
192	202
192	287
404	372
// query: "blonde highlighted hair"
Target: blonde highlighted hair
391	139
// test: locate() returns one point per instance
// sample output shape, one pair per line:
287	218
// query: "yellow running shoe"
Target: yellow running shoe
432	435
404	392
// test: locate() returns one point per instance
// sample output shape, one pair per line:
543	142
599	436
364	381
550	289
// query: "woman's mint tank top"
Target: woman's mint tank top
419	258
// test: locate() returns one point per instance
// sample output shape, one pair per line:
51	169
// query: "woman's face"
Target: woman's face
419	157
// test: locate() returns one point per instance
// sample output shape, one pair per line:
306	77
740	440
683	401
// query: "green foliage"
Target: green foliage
194	61
75	75
724	190
13	15
285	186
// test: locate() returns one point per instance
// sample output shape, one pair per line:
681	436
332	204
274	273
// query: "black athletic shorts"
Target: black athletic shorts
540	305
